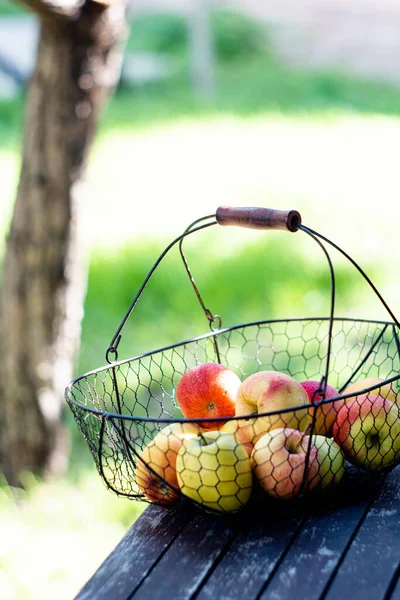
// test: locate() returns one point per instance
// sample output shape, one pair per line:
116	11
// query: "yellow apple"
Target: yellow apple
213	469
387	390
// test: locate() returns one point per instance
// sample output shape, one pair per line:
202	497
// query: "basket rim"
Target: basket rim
211	334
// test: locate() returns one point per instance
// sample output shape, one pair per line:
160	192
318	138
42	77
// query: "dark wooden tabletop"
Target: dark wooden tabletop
345	546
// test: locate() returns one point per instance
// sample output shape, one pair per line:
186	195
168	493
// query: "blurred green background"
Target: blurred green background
324	143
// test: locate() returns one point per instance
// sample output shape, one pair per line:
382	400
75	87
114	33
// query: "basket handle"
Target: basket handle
258	218
252	217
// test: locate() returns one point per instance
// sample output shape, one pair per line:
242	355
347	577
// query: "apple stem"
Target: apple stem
372	442
203	439
294	446
308	430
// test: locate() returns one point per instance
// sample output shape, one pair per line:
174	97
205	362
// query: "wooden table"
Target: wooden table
343	547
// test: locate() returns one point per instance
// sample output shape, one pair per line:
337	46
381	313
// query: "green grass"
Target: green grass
11	8
246	88
59	532
11	124
253	87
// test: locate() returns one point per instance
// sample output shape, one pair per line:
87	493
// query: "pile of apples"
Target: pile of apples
287	439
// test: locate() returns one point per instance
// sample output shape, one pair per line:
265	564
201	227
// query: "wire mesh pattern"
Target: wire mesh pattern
146	448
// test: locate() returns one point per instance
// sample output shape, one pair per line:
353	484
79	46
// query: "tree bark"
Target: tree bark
44	273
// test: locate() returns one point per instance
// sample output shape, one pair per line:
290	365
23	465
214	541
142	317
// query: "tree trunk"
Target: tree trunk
44	275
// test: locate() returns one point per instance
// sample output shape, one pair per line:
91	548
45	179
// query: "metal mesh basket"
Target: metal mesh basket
316	394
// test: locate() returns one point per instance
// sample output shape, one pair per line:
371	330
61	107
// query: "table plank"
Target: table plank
312	558
273	550
131	560
396	591
185	564
372	560
253	554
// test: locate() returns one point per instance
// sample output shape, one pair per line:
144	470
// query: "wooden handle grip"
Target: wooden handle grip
258	218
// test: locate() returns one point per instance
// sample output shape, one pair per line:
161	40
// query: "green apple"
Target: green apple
214	469
367	428
331	461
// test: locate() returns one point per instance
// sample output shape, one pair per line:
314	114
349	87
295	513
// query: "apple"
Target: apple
387	390
214	470
156	466
331	461
279	463
325	413
367	428
241	434
268	391
208	390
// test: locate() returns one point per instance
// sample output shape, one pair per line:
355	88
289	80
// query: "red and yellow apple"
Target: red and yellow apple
208	390
367	428
156	466
271	391
331	461
387	390
279	461
325	414
214	470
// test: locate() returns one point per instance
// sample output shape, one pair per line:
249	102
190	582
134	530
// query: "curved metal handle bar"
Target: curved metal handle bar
251	217
359	269
196	226
324	380
313	235
210	316
113	347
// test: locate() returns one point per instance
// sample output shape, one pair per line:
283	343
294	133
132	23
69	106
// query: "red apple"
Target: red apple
271	391
208	390
279	463
325	413
368	430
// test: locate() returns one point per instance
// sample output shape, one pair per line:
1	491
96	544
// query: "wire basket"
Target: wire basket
279	406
